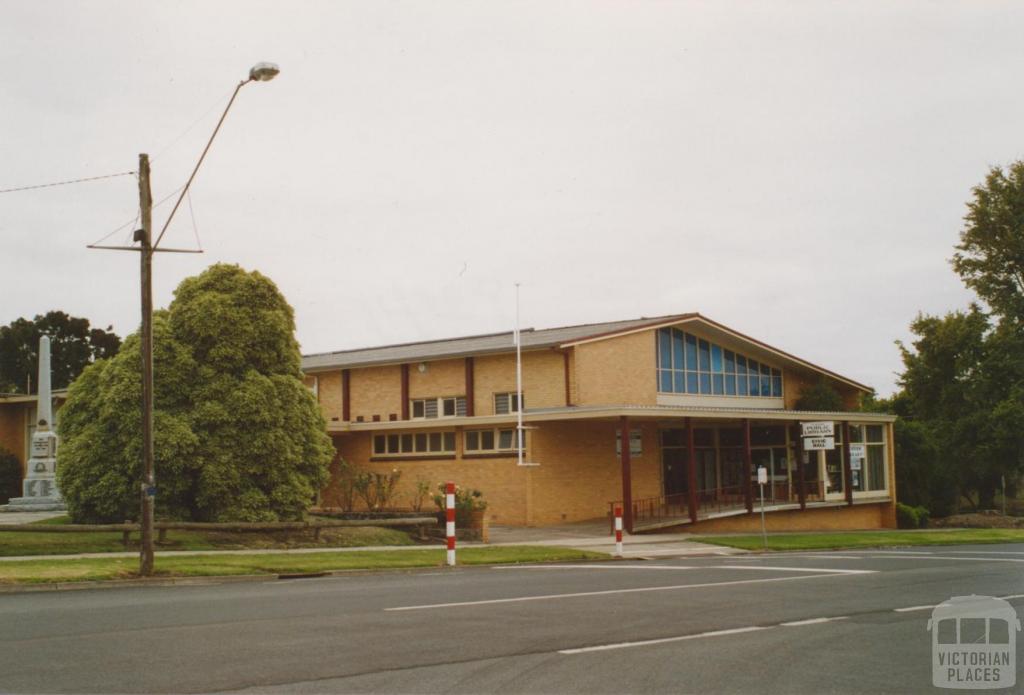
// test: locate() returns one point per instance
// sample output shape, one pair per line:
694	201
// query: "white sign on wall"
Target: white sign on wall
818	429
819	443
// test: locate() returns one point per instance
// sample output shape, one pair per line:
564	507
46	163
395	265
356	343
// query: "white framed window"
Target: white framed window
445	406
508	402
636	443
489	441
412	443
867	458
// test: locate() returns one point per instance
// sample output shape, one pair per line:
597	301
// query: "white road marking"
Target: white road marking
793	569
913	608
950	557
663	640
596	567
1006	598
985	552
813	621
607	592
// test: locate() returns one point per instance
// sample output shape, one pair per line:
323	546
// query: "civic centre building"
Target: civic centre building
700	407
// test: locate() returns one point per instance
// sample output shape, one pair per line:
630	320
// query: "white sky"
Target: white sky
795	170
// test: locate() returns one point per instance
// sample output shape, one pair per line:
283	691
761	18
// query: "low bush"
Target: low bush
906	516
923	516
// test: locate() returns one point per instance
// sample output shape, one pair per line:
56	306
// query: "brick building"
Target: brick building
701	406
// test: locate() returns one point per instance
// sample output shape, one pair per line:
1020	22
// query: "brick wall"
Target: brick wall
617	371
374	391
543	379
329	394
441	378
844	518
579	473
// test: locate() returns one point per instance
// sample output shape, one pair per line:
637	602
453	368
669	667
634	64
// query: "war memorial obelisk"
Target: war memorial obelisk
39	489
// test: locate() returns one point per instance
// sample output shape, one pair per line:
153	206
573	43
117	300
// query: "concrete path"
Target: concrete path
589	536
11	518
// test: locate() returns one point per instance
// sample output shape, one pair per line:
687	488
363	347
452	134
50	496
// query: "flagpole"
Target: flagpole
519	384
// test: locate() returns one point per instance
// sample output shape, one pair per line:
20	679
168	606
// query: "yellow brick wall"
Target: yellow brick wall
500	479
543	379
12	429
329	393
580	472
617	370
578	475
375	391
844	518
442	378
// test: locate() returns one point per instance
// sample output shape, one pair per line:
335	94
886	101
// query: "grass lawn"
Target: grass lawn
43	571
868	539
28	543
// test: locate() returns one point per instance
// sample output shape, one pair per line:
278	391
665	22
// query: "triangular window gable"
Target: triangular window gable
692	365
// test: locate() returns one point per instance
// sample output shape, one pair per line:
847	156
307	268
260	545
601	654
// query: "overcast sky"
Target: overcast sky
795	170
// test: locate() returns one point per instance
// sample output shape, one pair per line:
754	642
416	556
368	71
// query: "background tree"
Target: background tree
820	396
237	434
990	256
73	346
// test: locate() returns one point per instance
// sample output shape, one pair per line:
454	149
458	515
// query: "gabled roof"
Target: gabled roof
532	339
489	343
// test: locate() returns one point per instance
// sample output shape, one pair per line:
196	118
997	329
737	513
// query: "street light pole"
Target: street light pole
261	72
148	487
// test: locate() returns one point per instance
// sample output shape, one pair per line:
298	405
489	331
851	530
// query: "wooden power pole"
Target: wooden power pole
148	488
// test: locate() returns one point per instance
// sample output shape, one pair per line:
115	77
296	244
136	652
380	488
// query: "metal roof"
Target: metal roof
532	339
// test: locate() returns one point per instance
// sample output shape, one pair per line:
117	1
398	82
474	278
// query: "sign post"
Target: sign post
762	479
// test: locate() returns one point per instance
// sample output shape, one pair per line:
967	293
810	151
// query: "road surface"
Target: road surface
823	622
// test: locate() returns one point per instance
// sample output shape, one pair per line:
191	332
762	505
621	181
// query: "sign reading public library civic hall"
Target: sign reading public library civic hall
818	429
819	436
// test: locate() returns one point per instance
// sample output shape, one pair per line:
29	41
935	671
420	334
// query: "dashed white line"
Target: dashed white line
607	592
908	609
663	640
596	567
814	621
822	570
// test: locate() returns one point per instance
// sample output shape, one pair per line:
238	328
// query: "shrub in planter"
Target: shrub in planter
466	502
906	516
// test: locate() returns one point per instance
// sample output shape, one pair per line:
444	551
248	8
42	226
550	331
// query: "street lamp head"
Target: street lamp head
264	72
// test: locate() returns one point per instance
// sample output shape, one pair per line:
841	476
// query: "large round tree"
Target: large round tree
237	435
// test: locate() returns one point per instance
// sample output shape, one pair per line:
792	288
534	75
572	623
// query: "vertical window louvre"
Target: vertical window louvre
501	403
460	406
430	408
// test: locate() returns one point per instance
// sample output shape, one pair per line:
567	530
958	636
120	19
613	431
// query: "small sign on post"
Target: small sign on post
762	480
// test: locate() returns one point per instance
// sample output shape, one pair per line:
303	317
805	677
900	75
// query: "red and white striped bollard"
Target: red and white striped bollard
449	527
618	532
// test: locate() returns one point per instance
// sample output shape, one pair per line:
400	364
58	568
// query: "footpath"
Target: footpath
592	536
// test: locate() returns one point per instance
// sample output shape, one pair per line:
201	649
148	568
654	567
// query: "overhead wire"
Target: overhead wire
137	214
66	183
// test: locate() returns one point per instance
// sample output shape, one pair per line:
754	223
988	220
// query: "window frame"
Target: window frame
494	434
413	444
437	405
707	368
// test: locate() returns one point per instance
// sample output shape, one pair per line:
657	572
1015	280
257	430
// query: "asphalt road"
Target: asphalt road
645	626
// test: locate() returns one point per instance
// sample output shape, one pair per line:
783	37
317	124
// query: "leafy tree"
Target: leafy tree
964	388
237	435
73	346
820	396
990	256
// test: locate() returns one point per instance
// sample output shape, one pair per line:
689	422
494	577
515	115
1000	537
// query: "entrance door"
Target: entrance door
673	463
